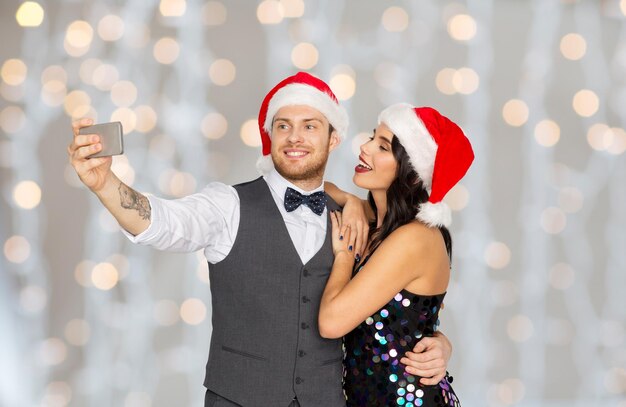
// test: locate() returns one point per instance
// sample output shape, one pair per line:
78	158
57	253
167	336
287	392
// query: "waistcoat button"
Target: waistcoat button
299	380
304	325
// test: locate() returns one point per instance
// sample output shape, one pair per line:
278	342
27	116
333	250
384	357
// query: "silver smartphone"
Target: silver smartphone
111	138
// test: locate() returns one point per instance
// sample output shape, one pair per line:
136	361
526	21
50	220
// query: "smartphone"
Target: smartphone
111	138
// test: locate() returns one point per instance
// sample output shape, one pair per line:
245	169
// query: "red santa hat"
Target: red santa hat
299	89
438	151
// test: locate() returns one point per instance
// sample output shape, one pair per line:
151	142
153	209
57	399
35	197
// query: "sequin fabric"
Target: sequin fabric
373	374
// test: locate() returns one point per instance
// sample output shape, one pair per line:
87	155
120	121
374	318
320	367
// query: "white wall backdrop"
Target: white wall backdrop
537	306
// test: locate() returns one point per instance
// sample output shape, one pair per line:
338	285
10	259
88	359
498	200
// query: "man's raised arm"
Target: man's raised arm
129	207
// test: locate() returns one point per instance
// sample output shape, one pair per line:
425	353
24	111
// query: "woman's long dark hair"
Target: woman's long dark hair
404	196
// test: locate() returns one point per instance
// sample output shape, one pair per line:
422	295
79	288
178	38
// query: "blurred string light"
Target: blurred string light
193	311
52	352
497	255
214	13
54	85
166	312
547	133
122	168
343	82
166	50
515	112
78	38
177	183
146	118
573	46
222	72
172	8
458	197
57	393
214	126
395	19
104	276
77	104
304	55
16	249
464	81
250	134
586	103
13	71
127	117
111	27
30	14
123	93
12	119
270	12
27	194
601	137
462	27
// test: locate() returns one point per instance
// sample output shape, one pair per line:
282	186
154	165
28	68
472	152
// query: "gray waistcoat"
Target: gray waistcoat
266	348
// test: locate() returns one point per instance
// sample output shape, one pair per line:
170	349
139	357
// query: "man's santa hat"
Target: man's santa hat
299	89
438	151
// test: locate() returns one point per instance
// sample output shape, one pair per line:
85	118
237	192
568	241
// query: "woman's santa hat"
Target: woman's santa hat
299	89
438	151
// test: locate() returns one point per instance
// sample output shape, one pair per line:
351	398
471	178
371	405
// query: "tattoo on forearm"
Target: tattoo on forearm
131	199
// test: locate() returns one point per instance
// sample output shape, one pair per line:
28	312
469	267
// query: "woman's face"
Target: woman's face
377	166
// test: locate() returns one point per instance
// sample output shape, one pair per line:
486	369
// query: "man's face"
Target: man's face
301	142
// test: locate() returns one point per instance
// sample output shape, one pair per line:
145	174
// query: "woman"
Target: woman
387	302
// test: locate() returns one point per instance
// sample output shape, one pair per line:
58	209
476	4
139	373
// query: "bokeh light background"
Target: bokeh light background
537	306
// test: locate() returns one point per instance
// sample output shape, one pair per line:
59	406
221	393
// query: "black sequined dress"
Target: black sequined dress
373	374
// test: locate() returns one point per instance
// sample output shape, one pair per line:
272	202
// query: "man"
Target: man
268	251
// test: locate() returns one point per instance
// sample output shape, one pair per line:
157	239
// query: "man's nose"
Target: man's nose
295	135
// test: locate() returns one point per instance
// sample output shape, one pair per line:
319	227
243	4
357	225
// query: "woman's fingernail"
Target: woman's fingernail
350	247
340	237
358	258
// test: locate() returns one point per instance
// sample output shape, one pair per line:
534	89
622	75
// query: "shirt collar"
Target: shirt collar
279	184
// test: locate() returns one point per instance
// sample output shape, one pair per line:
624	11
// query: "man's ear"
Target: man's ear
334	140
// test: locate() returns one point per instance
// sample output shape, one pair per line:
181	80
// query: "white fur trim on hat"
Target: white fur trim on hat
435	214
414	137
307	95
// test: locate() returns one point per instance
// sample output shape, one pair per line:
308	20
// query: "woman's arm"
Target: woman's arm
356	213
347	302
343	198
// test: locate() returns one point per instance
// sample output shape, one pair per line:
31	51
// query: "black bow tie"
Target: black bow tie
316	201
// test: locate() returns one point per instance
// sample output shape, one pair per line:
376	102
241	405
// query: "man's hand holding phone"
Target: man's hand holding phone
91	149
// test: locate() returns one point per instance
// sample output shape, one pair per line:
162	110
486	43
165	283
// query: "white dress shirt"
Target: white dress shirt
209	220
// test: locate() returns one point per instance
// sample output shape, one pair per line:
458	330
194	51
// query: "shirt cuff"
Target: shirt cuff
148	235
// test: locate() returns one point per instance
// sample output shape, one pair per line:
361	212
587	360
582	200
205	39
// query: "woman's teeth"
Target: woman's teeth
363	165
